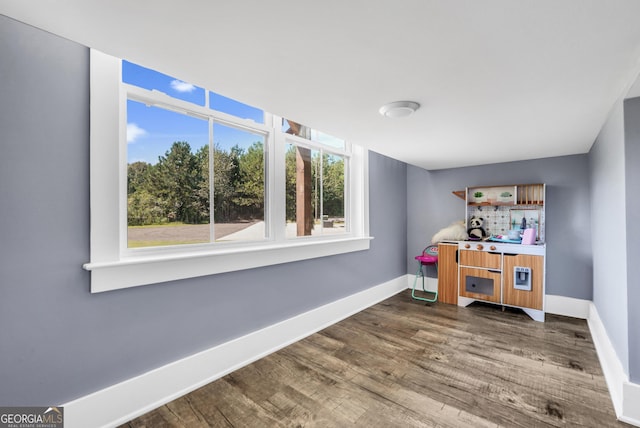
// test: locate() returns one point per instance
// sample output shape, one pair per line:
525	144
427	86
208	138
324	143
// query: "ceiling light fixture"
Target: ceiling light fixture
399	109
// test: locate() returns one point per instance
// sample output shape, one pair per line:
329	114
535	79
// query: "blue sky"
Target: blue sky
151	130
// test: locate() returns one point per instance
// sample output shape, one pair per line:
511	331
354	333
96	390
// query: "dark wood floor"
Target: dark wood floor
402	363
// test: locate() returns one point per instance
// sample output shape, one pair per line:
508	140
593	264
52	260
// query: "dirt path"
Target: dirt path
185	232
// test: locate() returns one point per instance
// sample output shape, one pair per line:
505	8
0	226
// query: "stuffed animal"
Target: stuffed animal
476	231
454	232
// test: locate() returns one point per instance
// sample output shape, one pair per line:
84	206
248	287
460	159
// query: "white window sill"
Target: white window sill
142	270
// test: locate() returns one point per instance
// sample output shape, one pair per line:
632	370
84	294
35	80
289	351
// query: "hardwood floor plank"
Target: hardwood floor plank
406	363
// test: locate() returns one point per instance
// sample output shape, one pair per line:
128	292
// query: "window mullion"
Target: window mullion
277	199
212	172
347	203
122	173
321	181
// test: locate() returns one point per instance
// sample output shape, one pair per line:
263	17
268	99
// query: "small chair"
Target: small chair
429	256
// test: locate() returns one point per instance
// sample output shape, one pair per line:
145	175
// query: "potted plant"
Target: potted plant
479	196
506	197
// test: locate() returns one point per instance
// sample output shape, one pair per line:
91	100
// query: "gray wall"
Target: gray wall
432	206
60	342
632	171
607	175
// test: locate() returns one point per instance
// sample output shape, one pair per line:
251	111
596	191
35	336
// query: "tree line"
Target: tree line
176	188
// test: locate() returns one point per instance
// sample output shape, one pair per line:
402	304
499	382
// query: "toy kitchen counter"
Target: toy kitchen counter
502	273
503	247
495	268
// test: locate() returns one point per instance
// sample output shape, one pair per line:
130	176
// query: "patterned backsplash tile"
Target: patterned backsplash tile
499	220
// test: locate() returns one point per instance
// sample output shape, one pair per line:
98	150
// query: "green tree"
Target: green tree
333	186
175	179
145	209
177	188
137	176
290	183
223	171
250	184
202	189
144	205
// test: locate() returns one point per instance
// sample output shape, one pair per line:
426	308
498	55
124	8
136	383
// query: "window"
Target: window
315	182
186	182
315	193
167	177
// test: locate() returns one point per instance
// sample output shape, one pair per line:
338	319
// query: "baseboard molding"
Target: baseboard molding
625	395
430	284
609	361
630	408
124	401
567	306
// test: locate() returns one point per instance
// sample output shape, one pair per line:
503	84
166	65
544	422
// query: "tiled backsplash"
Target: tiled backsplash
499	220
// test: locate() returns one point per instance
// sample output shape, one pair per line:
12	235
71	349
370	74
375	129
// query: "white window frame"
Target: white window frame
113	266
161	100
285	139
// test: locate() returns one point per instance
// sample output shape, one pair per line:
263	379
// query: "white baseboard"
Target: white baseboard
567	306
630	408
613	372
625	395
430	284
124	401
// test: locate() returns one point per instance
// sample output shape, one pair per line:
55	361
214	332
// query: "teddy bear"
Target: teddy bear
476	231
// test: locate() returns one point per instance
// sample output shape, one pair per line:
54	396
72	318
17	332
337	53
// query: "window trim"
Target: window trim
112	268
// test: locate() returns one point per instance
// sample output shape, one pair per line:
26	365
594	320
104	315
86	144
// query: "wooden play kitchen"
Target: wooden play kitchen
495	268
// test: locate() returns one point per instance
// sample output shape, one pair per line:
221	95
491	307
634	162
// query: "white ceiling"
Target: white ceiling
498	80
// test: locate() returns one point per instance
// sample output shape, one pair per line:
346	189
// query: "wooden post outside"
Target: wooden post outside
304	217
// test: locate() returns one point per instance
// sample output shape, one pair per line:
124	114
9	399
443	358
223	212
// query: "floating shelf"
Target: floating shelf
526	194
490	204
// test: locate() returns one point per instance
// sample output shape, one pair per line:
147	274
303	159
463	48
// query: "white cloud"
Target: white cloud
134	132
181	86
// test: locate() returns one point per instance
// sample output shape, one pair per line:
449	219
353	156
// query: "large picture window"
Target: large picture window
186	182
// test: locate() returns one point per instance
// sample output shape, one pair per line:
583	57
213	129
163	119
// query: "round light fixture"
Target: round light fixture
399	109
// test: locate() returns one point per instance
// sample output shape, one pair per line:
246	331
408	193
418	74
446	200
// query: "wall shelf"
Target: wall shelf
522	194
491	204
503	207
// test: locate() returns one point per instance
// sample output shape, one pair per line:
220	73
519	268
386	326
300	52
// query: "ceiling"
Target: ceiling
497	80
